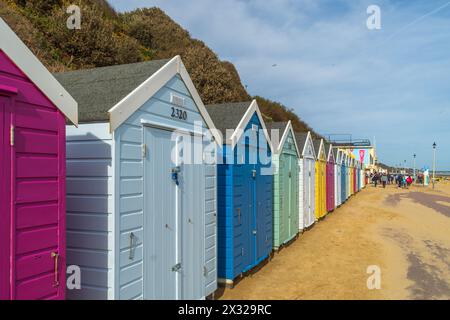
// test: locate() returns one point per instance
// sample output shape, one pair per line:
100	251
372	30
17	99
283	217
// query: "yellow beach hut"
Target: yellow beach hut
321	167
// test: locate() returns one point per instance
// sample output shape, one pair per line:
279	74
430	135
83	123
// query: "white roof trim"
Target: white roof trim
321	151
331	154
239	131
309	140
30	65
284	138
136	98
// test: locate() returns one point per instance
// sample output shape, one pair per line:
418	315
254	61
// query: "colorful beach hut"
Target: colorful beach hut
245	189
337	177
330	178
141	189
350	176
344	176
33	111
285	182
321	167
307	178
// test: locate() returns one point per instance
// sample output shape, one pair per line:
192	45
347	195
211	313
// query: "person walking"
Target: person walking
409	181
375	179
384	180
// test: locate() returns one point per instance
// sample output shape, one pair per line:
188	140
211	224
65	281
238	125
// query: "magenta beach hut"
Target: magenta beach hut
33	111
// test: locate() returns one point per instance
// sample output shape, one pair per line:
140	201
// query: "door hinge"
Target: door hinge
144	150
205	271
239	215
242	252
12	136
176	267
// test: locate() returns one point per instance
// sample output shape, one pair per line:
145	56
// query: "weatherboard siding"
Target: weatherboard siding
286	193
90	209
301	195
233	190
37	186
130	197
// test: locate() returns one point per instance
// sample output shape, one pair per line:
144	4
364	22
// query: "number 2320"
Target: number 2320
178	113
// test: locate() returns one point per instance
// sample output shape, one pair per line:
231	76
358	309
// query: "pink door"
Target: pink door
33	204
4	204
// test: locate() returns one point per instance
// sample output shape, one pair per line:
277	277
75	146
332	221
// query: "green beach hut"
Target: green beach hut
286	184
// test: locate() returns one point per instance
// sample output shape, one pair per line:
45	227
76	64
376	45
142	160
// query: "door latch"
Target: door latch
254	232
175	174
12	137
132	242
177	267
55	256
254	173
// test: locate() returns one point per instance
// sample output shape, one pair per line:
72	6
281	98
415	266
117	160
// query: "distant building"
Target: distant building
361	149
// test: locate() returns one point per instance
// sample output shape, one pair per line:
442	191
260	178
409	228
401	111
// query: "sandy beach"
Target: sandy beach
406	233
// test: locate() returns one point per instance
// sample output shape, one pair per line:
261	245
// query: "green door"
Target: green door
293	196
285	201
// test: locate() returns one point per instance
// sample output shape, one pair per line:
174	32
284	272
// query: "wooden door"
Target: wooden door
5	210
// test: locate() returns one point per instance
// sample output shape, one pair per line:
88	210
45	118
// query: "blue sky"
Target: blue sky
340	77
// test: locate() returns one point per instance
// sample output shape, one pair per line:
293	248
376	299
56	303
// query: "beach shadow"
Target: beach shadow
438	203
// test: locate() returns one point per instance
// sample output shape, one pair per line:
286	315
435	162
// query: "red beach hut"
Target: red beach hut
33	111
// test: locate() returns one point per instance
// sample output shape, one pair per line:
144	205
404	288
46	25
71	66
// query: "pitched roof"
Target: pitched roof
316	143
335	153
227	115
30	65
98	90
281	126
301	137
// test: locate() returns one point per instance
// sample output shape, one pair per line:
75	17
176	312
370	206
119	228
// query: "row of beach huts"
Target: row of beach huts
123	174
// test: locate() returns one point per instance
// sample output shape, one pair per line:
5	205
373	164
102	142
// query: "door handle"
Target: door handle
55	256
175	173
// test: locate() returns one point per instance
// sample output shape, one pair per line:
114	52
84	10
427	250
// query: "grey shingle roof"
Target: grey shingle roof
300	138
281	126
316	145
227	115
98	90
335	153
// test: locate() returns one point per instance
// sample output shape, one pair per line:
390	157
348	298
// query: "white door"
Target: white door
162	256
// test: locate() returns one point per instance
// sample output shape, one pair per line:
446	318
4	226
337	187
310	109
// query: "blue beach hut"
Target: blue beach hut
245	187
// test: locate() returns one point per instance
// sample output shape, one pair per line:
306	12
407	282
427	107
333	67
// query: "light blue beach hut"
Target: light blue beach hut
141	212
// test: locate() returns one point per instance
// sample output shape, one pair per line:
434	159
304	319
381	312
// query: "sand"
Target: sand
406	233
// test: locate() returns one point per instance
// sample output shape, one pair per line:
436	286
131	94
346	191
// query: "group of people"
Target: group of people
401	180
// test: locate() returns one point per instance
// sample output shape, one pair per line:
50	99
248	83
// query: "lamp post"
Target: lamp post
434	163
414	167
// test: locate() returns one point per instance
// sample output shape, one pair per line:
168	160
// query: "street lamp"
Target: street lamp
414	167
434	162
